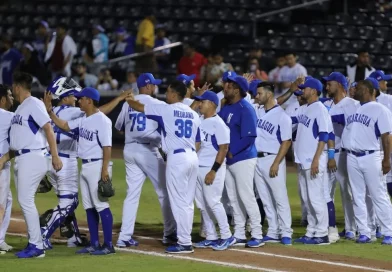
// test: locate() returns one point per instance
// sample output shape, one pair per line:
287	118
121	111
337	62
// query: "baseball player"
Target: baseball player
212	144
272	143
365	166
336	86
178	125
190	87
6	102
94	148
240	117
142	158
30	134
312	135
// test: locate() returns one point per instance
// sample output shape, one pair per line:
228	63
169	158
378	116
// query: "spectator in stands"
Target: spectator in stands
60	52
83	78
255	70
100	44
265	63
218	68
106	82
361	69
163	56
43	37
191	62
9	61
145	41
33	65
273	75
123	45
206	69
131	83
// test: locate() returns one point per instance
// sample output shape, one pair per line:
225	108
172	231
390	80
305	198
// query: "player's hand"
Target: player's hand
294	86
48	101
204	88
129	97
386	166
229	155
124	94
332	165
57	163
314	168
274	170
105	175
249	77
209	179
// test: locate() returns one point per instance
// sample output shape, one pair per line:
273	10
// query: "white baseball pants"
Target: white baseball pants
65	181
5	200
273	194
181	179
208	200
303	198
143	161
240	190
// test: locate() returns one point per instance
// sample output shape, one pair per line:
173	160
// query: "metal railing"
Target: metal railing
270	13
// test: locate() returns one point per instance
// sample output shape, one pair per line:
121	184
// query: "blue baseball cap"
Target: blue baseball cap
253	86
147	78
313	84
298	93
89	93
121	30
241	81
380	75
374	82
227	74
208	95
338	77
186	79
354	84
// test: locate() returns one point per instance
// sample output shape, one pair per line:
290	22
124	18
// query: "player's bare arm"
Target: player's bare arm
293	87
56	161
197	146
108	107
386	144
136	105
107	154
62	124
283	149
331	156
220	157
314	168
195	104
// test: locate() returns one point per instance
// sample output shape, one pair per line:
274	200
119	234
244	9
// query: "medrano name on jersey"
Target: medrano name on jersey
183	114
359	118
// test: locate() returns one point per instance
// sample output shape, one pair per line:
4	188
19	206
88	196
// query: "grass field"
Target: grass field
149	218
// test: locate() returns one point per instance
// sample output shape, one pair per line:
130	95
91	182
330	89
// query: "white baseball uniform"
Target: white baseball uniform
142	159
220	95
273	127
32	161
187	101
361	138
313	125
213	132
178	125
5	174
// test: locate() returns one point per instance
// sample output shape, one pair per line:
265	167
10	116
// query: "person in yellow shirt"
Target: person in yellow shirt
145	41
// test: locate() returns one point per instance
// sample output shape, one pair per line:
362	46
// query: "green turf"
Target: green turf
150	219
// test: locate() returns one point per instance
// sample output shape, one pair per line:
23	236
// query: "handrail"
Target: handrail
270	13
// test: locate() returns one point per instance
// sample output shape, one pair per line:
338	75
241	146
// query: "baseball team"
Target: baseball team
225	152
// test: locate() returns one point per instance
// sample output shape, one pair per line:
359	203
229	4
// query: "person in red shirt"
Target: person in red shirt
191	63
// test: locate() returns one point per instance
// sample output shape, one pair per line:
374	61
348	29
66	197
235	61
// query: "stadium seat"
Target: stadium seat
332	59
323	44
315	58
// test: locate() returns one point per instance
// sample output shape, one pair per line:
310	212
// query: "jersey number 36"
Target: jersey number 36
138	118
184	128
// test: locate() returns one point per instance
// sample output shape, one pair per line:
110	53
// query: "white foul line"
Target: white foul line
261	253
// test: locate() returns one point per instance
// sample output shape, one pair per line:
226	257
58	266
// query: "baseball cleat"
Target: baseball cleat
387	240
170	239
302	239
224	244
342	233
104	250
268	239
239	242
47	244
286	241
333	234
31	251
363	239
253	242
88	250
320	241
206	244
4	247
179	249
128	243
75	241
349	235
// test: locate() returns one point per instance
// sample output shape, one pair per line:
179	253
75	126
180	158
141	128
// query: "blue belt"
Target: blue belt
180	150
263	154
70	196
90	160
24	151
63	155
361	154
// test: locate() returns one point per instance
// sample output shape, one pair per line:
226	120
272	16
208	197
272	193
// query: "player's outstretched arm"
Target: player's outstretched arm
107	154
293	87
136	105
108	107
62	124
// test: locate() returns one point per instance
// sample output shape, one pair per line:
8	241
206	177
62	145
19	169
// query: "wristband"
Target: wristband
331	154
216	166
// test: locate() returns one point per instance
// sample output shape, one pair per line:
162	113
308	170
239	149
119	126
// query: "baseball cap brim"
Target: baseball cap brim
387	77
298	93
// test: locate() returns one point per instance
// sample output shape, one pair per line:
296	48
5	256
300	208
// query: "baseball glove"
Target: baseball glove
44	186
105	190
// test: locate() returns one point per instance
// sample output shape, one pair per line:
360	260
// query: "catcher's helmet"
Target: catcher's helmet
62	87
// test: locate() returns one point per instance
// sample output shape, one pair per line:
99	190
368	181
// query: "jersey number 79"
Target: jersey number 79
138	118
184	128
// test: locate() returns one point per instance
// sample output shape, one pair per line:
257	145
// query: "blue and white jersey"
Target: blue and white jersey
5	125
26	125
213	133
95	132
273	127
364	125
135	124
314	124
178	125
67	142
385	99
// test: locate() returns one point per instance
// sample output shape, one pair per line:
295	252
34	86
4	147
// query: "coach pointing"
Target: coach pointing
240	117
